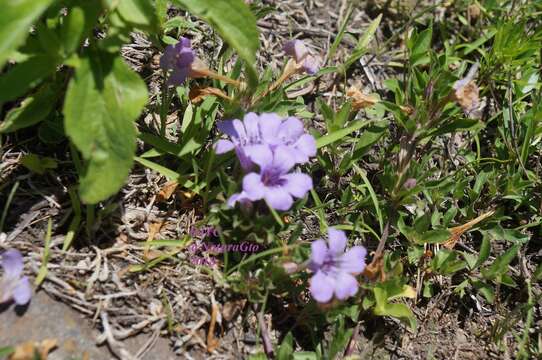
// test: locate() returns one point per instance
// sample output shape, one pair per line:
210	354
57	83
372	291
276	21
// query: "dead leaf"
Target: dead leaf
27	350
467	94
359	99
212	343
457	231
154	228
375	268
197	94
232	308
167	190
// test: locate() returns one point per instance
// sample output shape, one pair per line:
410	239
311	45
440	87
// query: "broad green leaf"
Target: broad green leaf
16	17
81	19
140	13
25	75
384	308
103	100
32	110
234	21
420	46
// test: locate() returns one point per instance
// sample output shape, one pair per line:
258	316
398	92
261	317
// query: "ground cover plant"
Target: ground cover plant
263	179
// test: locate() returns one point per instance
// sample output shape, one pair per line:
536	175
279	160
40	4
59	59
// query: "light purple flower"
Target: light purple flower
178	58
298	50
13	285
334	268
265	129
273	183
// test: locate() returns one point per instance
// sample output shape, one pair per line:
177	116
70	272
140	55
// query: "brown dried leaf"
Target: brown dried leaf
27	350
359	99
232	308
212	343
197	94
457	231
167	190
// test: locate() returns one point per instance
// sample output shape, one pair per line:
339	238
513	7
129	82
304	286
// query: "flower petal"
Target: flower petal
296	49
297	184
306	144
345	285
318	253
185	42
185	58
178	76
227	128
12	263
290	130
253	186
284	159
311	65
223	146
353	261
239	128
269	127
252	127
22	292
278	198
337	240
259	154
239	197
321	287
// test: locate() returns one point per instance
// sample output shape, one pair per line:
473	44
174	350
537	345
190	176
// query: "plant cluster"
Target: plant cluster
447	152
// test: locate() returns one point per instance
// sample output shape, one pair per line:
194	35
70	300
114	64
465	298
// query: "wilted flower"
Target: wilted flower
410	183
13	285
265	129
273	183
178	58
298	50
359	99
334	268
467	93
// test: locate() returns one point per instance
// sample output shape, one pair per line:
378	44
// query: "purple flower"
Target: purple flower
178	58
273	183
14	286
265	129
334	268
298	50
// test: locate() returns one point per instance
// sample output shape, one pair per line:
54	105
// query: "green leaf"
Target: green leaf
420	47
6	351
500	265
38	164
33	109
485	289
435	236
26	75
339	134
16	18
286	349
103	100
79	22
484	251
234	21
139	13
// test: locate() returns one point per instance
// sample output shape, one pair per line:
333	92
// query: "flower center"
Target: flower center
271	177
